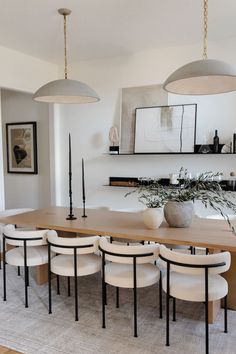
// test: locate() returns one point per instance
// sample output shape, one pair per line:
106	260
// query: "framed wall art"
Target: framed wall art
22	147
133	97
165	129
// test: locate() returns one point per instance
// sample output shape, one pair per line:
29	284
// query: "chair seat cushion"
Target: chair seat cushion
121	275
192	287
86	264
36	255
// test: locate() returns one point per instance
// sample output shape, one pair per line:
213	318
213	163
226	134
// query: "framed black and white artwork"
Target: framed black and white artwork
22	147
165	129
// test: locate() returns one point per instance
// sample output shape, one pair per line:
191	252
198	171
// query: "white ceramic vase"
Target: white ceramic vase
153	217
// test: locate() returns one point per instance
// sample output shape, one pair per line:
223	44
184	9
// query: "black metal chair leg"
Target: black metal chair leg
18	271
117	298
76	285
25	274
105	293
174	309
135	298
68	286
225	315
4	272
160	296
206	312
168	306
58	285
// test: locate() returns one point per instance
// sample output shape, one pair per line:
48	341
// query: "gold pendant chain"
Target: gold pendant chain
205	29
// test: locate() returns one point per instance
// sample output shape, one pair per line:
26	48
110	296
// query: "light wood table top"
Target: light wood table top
213	234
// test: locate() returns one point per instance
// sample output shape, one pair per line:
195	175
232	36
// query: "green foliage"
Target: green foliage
205	188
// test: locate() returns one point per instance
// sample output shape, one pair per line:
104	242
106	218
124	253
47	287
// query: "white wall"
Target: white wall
89	124
22	190
22	72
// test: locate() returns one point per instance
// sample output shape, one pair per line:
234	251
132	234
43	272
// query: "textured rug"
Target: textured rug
33	331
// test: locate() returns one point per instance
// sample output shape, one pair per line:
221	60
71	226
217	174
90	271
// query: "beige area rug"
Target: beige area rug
33	331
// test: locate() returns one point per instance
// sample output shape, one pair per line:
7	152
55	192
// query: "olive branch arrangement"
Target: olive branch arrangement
206	188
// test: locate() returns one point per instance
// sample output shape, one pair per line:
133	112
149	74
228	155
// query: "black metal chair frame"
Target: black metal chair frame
50	244
134	256
206	267
26	268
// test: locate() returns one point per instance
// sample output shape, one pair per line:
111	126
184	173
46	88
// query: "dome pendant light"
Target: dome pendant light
65	90
202	77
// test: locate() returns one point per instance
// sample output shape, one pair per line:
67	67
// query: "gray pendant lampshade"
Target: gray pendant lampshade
202	77
65	90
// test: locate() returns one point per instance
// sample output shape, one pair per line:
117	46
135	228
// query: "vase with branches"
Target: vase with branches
178	201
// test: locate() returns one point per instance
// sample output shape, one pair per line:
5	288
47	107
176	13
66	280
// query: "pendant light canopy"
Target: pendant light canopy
65	90
202	77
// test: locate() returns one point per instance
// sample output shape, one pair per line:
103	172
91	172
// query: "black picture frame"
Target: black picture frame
176	134
21	138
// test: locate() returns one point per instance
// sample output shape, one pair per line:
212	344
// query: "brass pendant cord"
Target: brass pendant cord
65	46
205	29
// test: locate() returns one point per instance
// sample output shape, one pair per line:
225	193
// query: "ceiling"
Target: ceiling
106	28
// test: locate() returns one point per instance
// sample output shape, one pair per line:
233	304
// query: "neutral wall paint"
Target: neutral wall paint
22	72
89	124
22	190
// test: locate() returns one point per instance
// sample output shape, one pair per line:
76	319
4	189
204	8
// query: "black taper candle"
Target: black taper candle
83	190
70	215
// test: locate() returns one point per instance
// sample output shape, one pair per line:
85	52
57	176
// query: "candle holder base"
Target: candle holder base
71	217
84	216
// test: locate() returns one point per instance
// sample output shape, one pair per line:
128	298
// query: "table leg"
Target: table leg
213	309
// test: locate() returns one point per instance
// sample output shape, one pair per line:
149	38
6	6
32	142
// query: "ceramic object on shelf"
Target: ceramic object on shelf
153	217
179	214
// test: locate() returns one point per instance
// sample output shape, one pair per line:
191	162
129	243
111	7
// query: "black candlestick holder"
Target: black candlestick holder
84	214
70	215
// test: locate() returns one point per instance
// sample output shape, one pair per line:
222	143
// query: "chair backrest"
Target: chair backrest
190	261
66	245
120	253
16	238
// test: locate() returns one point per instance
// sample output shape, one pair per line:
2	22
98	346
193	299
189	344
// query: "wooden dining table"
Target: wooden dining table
207	233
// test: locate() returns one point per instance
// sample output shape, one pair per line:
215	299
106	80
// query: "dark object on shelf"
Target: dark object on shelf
226	185
206	149
114	150
123	181
234	143
135	181
216	142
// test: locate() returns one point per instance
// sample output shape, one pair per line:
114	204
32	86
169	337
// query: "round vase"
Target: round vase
153	217
179	214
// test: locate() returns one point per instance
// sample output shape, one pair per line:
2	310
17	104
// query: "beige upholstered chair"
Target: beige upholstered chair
6	213
29	250
76	257
128	267
195	278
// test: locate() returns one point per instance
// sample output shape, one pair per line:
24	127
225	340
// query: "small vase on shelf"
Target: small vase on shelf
216	142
